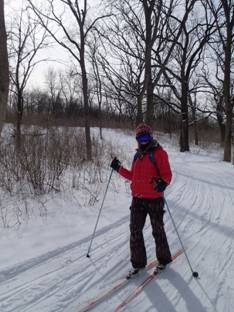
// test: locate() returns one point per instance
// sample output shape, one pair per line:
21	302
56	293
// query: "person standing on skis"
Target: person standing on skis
150	174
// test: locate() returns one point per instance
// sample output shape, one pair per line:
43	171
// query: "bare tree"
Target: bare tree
122	57
54	90
75	42
138	31
185	59
215	88
153	17
26	39
98	80
146	33
4	66
156	33
124	85
223	11
70	86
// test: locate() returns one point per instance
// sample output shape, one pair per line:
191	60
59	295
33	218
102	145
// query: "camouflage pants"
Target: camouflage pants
140	208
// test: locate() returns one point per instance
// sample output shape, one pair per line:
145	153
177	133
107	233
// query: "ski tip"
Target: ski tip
88	256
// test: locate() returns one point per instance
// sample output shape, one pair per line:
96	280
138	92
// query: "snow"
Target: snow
43	263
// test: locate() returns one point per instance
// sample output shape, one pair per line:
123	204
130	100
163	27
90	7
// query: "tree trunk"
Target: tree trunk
139	117
100	118
220	119
148	81
4	67
86	114
150	100
148	10
85	99
227	98
195	129
184	130
169	122
228	137
233	149
19	118
193	106
222	134
18	131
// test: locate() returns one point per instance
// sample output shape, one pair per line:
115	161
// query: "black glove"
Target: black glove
160	185
115	164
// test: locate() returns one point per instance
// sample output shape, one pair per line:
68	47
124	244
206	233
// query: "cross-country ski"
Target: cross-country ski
113	289
135	292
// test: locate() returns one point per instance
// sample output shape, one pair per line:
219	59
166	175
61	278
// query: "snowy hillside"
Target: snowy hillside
43	264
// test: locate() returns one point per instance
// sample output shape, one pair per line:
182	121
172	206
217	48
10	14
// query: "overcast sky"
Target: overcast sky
58	57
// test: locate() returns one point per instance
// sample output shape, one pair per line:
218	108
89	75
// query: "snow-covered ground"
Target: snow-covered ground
43	264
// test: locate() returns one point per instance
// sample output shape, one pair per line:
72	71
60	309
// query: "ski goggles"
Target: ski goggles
143	138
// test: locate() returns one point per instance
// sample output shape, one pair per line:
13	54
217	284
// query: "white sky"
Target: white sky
58	57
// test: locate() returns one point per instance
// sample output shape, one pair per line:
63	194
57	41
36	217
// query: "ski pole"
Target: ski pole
99	214
194	273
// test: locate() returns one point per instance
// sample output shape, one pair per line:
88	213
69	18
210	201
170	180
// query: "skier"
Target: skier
150	174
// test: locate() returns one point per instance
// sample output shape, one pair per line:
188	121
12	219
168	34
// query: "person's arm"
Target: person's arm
165	174
163	165
125	173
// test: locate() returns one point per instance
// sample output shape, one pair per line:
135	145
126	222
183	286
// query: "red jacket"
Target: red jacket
143	172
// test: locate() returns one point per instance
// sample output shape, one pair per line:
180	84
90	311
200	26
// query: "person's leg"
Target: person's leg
156	213
137	245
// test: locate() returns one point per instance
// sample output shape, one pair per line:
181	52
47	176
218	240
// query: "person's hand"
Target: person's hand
160	185
115	164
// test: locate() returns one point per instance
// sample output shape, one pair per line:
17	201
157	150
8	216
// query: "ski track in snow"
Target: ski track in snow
201	200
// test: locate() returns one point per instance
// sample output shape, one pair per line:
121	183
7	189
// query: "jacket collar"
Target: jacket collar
151	146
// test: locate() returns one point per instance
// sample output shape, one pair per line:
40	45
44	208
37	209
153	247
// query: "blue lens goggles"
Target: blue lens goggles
143	138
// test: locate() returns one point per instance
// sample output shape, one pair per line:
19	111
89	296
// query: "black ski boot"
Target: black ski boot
133	272
159	268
